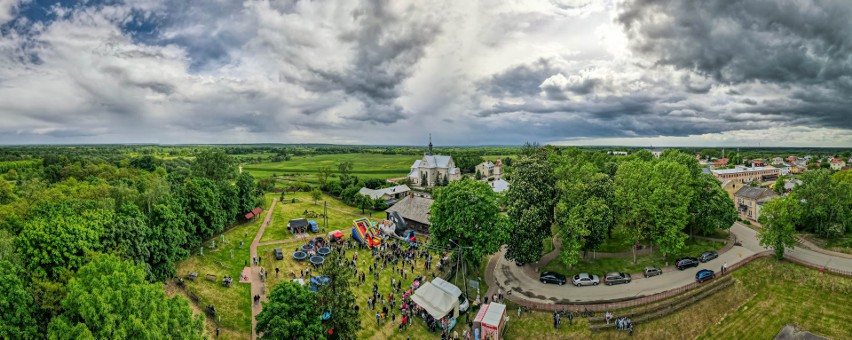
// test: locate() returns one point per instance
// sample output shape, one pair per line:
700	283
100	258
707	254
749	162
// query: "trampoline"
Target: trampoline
324	251
300	256
307	247
317	260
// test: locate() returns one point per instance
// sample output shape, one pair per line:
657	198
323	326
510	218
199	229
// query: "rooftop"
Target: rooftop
376	193
755	193
414	208
739	170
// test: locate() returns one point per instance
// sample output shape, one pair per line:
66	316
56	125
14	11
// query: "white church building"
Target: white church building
433	170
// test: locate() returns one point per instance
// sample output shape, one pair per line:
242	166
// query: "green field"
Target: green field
340	216
364	165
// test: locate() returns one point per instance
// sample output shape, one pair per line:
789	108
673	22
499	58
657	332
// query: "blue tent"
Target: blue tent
314	226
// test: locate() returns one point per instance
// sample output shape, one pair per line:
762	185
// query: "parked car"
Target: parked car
652	271
704	275
707	256
279	254
551	277
686	262
615	278
586	279
464	304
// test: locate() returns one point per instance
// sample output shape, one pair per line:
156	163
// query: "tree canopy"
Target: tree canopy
465	214
336	296
531	201
110	299
291	313
778	218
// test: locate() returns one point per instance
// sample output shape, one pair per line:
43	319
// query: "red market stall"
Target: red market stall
490	321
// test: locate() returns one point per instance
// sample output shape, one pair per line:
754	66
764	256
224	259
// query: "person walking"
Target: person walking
377	319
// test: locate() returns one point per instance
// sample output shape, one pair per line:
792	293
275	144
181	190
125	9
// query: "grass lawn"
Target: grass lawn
368	320
693	247
841	244
340	216
768	295
232	304
364	165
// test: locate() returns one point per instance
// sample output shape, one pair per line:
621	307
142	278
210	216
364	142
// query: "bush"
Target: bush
747	222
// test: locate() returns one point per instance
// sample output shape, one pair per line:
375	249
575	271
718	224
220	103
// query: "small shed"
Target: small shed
490	321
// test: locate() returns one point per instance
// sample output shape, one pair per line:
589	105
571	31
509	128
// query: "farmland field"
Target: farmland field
364	165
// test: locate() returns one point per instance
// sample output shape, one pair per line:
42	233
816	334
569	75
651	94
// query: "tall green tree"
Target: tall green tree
634	210
779	185
465	213
531	200
128	235
247	192
337	297
168	240
215	165
345	170
58	235
16	304
716	209
110	299
778	218
291	313
316	194
672	190
826	203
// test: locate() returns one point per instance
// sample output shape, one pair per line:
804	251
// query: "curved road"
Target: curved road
523	281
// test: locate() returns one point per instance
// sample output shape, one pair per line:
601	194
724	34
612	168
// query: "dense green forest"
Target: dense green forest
82	228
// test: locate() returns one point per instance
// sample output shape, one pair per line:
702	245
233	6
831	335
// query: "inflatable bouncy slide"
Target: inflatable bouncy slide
362	231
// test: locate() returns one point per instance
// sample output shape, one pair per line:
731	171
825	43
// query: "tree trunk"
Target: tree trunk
634	250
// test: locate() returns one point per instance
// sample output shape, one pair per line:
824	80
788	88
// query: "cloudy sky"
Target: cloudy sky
635	72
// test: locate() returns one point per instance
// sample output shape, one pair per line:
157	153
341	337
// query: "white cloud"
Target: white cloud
470	72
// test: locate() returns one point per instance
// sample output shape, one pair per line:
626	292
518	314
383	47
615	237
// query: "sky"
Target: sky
473	72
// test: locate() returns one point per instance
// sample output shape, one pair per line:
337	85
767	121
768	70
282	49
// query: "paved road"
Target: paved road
523	282
257	287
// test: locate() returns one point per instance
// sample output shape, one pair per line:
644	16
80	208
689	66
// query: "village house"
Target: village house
750	199
720	163
746	175
488	169
389	195
777	161
414	210
433	170
785	169
837	164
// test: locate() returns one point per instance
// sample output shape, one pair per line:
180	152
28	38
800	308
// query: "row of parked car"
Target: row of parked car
613	278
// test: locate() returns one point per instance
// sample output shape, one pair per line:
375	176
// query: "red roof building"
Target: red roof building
723	161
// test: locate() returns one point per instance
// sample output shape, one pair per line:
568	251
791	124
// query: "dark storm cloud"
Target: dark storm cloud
803	47
520	80
388	47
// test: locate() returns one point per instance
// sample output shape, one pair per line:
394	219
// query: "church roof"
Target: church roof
433	161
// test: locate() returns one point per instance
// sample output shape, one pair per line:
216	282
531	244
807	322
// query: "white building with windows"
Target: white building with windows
433	170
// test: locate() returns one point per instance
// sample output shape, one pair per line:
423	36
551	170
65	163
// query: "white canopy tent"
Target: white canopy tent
435	301
447	287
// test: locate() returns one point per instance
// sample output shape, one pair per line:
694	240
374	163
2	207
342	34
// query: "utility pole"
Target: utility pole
325	214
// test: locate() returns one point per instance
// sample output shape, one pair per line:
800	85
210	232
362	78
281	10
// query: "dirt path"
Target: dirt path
258	287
